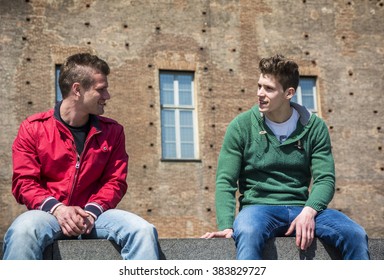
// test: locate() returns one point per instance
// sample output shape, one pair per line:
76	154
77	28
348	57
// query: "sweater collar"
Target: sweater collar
304	113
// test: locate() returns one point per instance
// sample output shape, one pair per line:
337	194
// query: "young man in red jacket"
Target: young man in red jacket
69	169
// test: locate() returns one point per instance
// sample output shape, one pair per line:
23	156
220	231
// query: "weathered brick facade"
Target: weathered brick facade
341	42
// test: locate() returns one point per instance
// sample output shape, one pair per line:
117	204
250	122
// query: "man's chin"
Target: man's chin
100	111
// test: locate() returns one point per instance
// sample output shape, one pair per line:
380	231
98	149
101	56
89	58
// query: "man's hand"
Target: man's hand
73	220
89	222
304	224
227	233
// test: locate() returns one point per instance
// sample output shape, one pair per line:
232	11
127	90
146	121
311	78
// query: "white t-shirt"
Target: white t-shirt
283	130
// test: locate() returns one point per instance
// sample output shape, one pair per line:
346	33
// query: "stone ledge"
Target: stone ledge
281	248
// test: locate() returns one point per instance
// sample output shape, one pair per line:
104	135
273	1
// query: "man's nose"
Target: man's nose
260	91
106	95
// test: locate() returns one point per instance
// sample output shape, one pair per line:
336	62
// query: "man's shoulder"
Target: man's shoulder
108	121
248	116
41	116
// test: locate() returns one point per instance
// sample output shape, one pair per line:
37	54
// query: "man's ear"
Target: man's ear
290	92
76	89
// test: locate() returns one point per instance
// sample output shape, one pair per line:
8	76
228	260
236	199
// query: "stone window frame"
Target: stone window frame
58	95
178	108
298	98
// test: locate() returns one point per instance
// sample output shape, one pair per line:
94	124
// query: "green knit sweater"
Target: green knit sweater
265	172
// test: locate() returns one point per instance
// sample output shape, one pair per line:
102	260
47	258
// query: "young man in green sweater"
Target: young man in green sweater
273	154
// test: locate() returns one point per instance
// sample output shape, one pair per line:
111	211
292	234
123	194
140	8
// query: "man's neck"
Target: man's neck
281	116
70	115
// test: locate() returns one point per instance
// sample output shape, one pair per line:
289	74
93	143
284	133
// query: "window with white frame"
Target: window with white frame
178	116
58	96
306	93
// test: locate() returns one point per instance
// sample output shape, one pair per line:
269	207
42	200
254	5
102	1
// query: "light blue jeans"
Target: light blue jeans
254	225
34	230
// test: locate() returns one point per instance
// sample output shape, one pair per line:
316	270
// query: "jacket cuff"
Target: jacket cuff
50	204
93	209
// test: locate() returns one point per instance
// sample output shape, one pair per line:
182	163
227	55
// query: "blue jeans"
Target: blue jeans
254	225
34	230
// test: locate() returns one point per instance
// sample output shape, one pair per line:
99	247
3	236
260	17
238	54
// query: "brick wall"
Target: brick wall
340	42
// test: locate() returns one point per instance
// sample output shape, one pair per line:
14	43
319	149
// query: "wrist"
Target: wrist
310	210
55	207
91	215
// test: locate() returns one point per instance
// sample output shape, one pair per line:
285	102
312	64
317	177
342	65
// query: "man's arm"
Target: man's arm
322	190
227	175
26	186
322	167
114	184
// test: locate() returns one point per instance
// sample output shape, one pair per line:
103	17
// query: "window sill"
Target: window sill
180	160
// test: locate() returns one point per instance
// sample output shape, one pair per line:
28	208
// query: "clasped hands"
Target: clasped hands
73	220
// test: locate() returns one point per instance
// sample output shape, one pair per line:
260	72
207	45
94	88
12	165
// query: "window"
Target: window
306	93
58	95
178	124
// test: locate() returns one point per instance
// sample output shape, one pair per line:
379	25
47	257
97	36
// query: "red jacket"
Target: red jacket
46	166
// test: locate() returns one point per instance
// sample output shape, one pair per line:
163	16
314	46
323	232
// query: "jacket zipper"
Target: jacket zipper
77	166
